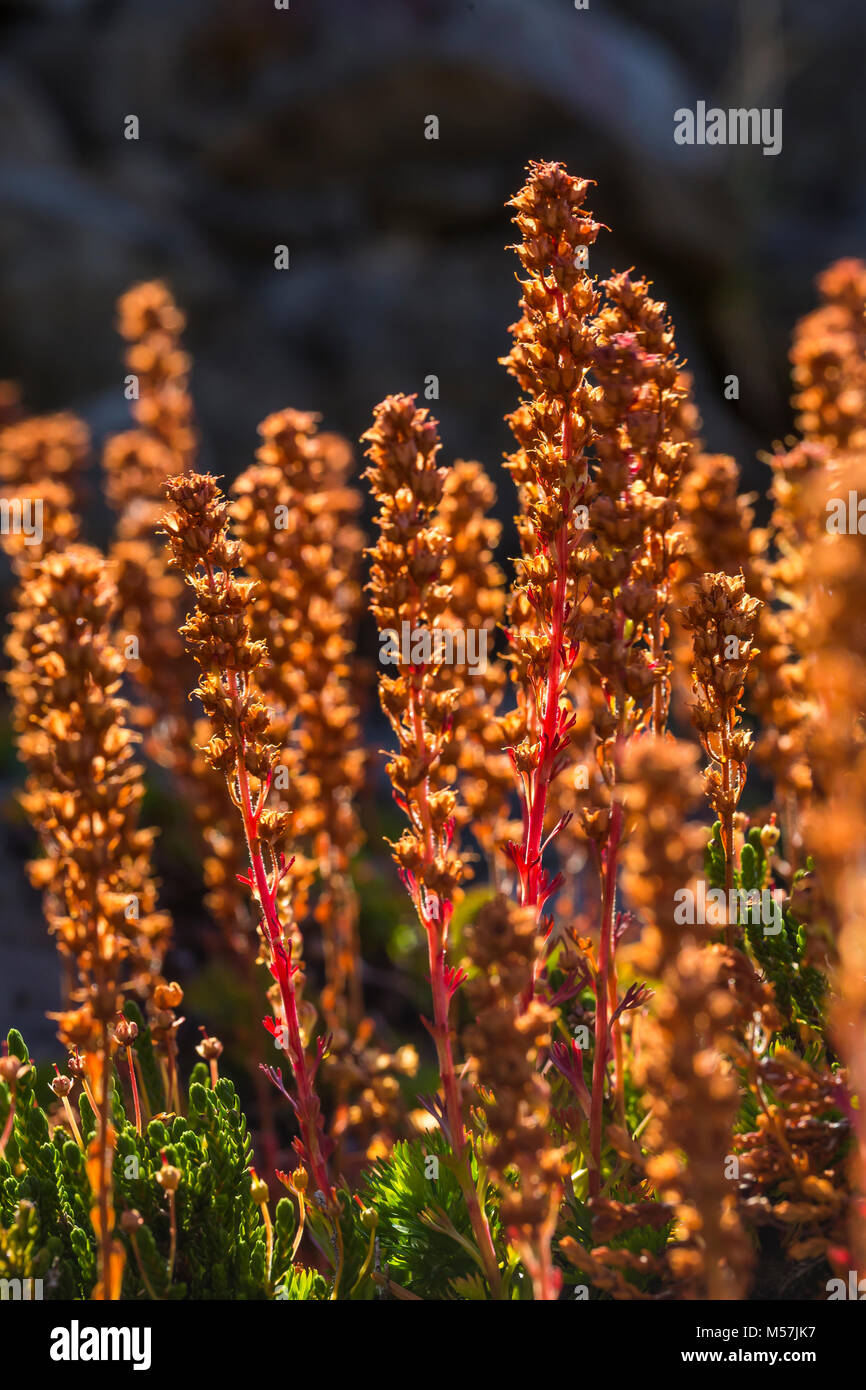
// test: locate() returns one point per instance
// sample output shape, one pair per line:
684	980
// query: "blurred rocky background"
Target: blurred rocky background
305	127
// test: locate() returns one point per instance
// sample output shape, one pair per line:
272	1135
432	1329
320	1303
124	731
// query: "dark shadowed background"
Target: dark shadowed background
306	128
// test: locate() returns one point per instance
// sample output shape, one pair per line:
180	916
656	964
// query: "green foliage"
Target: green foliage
45	1200
22	1256
301	1285
409	1226
799	987
781	955
424	1233
639	1240
151	1076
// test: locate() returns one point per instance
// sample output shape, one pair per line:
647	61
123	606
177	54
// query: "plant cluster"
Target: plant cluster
619	1102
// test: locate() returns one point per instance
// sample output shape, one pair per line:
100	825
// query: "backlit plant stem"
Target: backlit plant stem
198	536
550	358
406	585
134	1085
7	1128
436	930
308	1108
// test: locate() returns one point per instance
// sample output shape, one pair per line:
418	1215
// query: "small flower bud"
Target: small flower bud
12	1069
210	1049
126	1032
770	836
300	1180
259	1190
76	1065
168	996
169	1178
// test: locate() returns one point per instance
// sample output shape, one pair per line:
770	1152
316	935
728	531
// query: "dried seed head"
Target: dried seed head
211	1049
126	1031
169	1178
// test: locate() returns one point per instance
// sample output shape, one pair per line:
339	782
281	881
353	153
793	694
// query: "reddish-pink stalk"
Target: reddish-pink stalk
308	1108
436	929
546	1278
266	1136
7	1128
531	873
134	1084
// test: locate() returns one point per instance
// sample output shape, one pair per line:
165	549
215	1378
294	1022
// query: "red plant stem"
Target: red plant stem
442	1034
7	1128
540	777
308	1107
437	945
546	1279
133	1083
605	956
454	1108
616	1034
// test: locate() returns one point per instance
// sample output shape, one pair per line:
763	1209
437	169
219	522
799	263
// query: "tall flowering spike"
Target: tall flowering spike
84	795
406	588
243	747
828	356
84	790
835	652
42	462
781	696
294	516
152	325
641	447
136	465
717	533
274	563
476	606
552	352
507	1040
643	453
44	447
692	1090
723	620
619	628
716	521
408	595
138	462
